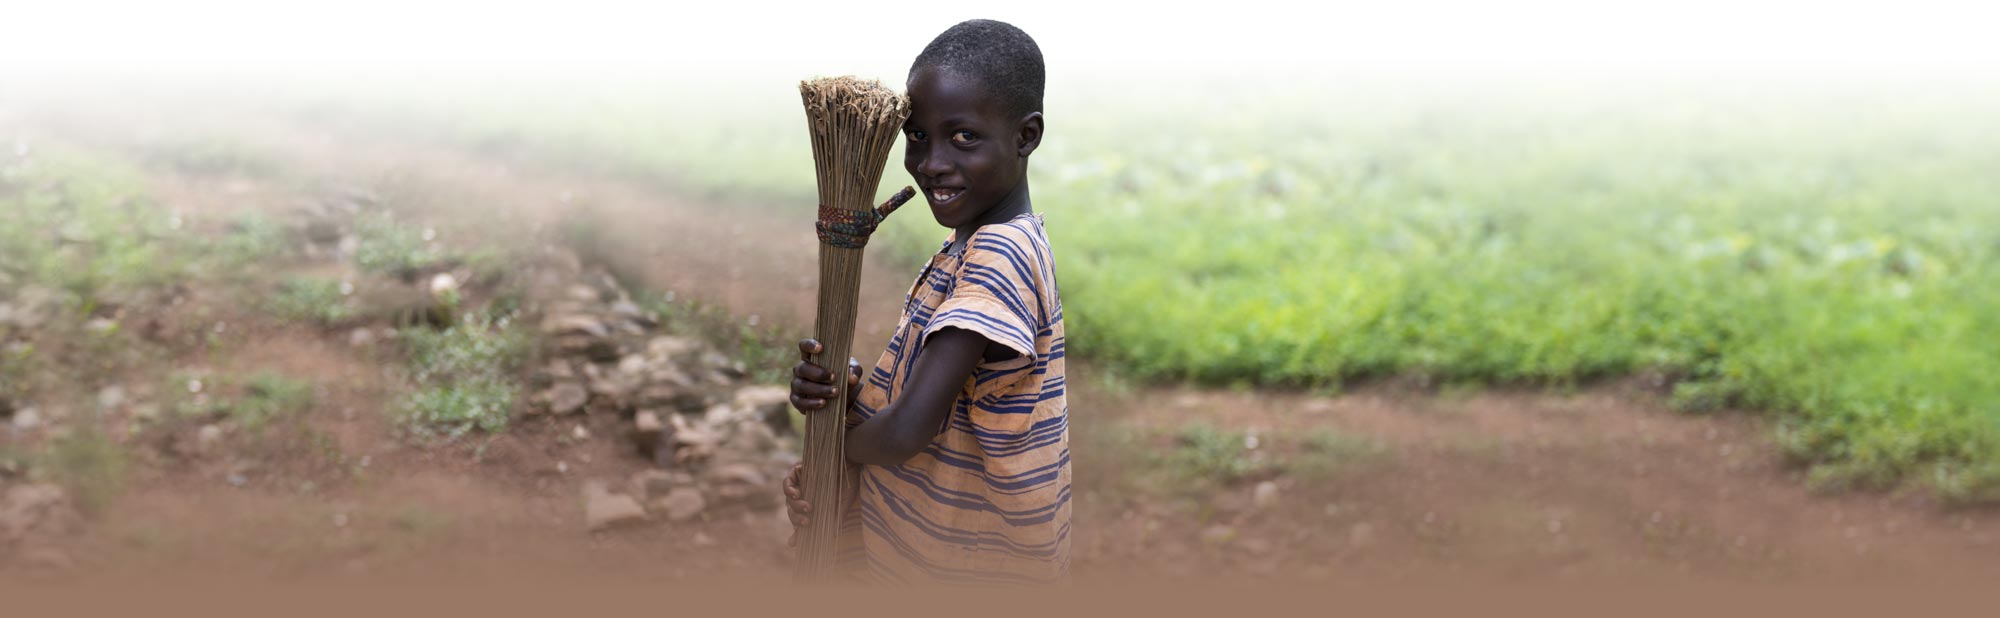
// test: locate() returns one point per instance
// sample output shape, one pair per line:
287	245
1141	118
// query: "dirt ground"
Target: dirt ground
1599	484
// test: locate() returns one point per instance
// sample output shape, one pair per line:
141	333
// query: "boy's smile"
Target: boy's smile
965	152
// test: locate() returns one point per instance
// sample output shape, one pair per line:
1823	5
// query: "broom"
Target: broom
853	122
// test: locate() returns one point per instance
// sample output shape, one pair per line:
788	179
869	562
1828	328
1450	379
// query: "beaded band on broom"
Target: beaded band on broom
854	123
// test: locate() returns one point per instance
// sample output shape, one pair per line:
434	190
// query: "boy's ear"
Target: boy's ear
1031	133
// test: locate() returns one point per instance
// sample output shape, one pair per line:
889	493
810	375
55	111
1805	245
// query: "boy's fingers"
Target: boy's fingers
810	371
807	404
808	347
804	388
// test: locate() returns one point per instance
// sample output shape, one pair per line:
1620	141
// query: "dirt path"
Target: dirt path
1602	484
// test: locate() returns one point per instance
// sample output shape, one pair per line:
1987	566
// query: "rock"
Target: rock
750	439
693	442
207	437
667	347
632	364
647	422
1265	497
654	484
584	293
634	313
740	483
670	396
567	398
558	371
26	419
443	283
735	473
681	504
361	337
614	387
110	398
771	404
669	376
575	324
594	348
701	539
603	510
580	433
647	430
715	359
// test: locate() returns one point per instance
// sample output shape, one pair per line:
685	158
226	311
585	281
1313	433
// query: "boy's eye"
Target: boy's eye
916	136
962	137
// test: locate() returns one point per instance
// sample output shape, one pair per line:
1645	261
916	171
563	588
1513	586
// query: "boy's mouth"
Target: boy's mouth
940	195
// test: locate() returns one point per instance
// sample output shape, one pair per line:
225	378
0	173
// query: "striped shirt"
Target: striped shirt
988	501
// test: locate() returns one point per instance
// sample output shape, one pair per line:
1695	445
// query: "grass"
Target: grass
1204	455
251	402
1828	258
313	300
84	229
389	246
465	377
89	465
252	238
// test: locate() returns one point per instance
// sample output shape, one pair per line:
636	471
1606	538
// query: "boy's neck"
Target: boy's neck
1014	205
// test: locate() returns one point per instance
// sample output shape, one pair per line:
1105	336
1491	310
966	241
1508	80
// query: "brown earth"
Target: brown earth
1598	484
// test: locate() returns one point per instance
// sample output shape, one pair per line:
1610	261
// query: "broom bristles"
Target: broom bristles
854	123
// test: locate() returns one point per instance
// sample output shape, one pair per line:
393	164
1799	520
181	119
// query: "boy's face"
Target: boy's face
964	151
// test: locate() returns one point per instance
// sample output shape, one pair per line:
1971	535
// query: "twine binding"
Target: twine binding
850	229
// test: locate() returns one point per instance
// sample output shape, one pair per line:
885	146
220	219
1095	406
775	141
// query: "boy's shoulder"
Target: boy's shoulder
1023	234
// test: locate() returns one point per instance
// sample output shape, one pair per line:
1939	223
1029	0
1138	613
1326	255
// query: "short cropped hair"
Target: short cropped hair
997	54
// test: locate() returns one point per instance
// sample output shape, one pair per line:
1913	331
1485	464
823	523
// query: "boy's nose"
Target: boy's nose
933	166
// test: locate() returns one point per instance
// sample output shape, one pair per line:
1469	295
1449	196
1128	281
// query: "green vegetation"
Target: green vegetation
1204	455
89	465
390	247
251	402
83	229
465	377
252	237
1827	257
320	301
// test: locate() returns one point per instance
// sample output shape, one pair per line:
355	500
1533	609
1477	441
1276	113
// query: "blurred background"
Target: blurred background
1432	291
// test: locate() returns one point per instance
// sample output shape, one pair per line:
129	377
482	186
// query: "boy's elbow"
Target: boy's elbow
896	450
887	448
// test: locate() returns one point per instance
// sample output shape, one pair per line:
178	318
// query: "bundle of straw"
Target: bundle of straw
854	123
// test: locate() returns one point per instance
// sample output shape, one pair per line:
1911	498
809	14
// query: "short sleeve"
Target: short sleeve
995	295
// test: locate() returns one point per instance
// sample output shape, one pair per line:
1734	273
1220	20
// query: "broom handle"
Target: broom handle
827	476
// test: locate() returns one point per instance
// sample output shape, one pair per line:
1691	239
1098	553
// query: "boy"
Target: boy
961	431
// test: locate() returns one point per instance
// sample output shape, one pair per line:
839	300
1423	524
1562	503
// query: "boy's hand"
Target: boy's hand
799	509
795	503
812	385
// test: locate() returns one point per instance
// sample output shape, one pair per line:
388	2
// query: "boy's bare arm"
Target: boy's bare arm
900	431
